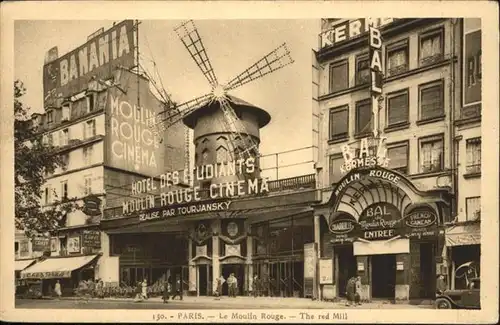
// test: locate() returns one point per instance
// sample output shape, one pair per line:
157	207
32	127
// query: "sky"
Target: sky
231	45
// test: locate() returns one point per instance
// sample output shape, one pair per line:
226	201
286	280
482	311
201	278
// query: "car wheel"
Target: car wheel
443	303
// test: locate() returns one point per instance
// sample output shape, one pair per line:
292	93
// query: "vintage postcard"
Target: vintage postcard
250	162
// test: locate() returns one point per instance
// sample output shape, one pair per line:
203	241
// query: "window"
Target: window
474	69
398	156
50	139
431	100
87	155
64	189
473	149
364	116
64	140
339	122
473	208
90	102
431	47
335	162
65	112
222	154
64	161
16	248
362	70
204	157
48	195
397	58
397	108
431	154
88	185
50	117
89	129
339	76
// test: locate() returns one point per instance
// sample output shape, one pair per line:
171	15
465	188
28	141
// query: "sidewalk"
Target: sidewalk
262	302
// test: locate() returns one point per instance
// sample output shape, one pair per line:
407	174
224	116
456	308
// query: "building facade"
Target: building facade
96	117
240	223
390	122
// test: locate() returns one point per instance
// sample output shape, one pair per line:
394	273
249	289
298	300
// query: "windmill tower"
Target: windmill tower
225	127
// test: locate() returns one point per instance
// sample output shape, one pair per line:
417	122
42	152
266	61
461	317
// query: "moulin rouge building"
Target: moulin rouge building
396	113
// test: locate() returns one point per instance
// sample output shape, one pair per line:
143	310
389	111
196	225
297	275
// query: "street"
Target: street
204	303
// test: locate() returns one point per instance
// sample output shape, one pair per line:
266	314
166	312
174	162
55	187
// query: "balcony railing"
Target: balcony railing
299	183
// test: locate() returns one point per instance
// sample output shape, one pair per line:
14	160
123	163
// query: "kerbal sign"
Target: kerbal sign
350	29
99	56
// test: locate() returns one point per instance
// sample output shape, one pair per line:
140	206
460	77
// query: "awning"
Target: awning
378	247
20	265
59	267
462	235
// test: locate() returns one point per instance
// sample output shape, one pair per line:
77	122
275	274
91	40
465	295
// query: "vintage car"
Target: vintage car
462	298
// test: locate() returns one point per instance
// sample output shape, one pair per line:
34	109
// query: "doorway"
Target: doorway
346	267
427	271
204	280
239	273
383	276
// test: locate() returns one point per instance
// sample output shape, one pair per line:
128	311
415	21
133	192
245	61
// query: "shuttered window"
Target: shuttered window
431	101
362	70
398	157
431	154
397	108
431	47
363	117
339	76
335	162
397	58
339	122
473	149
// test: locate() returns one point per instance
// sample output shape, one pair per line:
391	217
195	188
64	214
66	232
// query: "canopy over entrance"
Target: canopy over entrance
361	188
59	267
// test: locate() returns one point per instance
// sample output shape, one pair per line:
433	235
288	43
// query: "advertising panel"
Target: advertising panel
131	145
326	271
310	254
41	244
339	33
74	244
91	238
99	56
472	61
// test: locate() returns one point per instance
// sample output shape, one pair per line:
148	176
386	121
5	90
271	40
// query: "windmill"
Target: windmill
274	60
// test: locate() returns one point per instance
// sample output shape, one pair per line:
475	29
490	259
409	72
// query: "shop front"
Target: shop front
378	226
68	270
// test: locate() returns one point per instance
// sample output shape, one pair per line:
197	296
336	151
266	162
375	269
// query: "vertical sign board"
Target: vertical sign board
98	57
375	59
309	269
472	66
131	144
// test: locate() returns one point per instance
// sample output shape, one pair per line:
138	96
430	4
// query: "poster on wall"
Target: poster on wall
74	244
326	271
91	238
309	268
53	244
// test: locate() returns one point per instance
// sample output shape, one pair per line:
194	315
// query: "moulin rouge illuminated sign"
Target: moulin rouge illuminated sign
169	197
365	157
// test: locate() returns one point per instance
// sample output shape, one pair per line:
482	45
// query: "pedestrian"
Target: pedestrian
440	285
350	291
138	292
256	286
57	289
178	289
357	293
230	287
235	286
167	287
217	289
220	283
144	286
99	289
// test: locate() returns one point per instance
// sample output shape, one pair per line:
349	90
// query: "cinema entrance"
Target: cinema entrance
387	232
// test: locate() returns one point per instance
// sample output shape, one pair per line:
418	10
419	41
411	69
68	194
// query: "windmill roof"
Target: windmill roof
237	104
